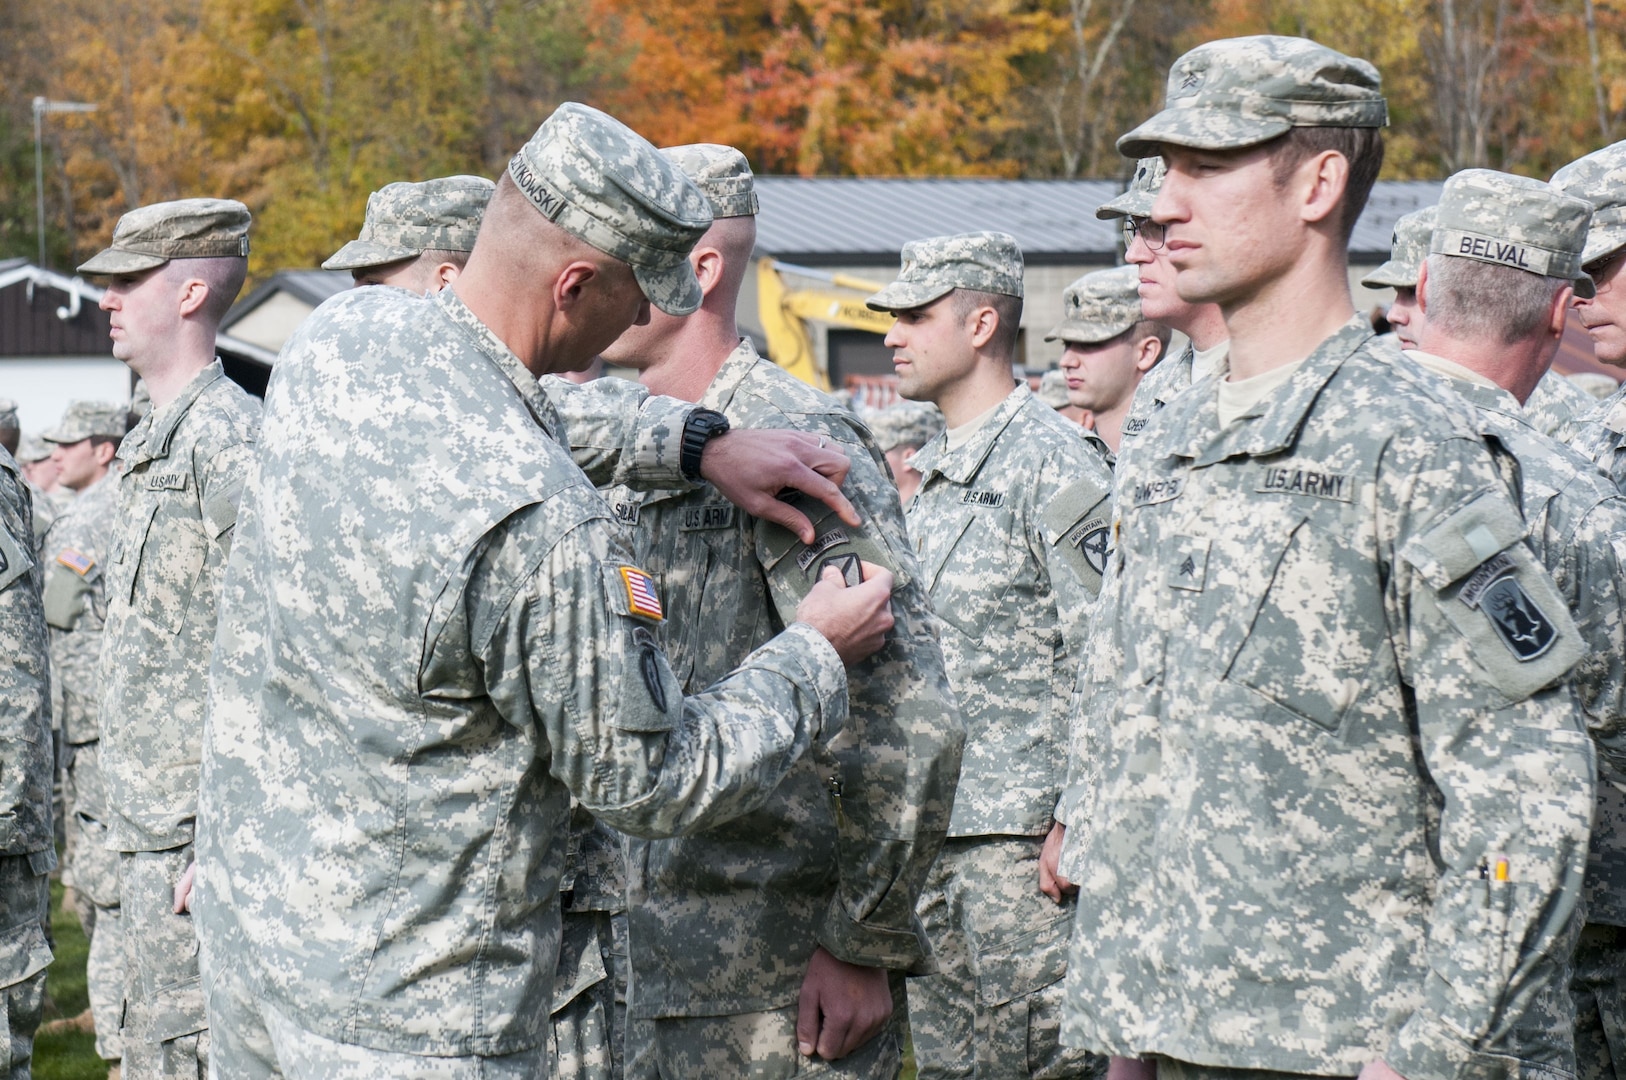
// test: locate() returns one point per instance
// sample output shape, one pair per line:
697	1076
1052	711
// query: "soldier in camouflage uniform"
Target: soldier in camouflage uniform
416	237
1108	347
28	450
75	611
1599	433
1203	325
1338	799
1010	529
1554	400
1496	291
900	430
432	635
815	891
27	854
175	268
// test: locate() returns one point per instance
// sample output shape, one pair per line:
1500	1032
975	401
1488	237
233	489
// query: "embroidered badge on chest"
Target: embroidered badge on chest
1285	480
627	512
1148	492
982	498
711	516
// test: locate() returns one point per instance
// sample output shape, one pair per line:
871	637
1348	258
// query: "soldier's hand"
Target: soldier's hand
1051	883
751	468
1379	1070
842	1006
854	620
1129	1068
183	889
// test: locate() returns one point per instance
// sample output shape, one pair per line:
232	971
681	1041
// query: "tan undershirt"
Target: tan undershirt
959	436
1449	368
1237	397
1204	362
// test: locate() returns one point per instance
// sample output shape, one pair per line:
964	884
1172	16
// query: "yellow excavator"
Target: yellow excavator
786	311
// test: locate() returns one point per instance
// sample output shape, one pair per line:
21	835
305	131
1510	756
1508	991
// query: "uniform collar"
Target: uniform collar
150	439
720	392
492	346
959	466
1273	423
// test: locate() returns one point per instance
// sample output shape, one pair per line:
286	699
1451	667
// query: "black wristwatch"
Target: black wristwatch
702	426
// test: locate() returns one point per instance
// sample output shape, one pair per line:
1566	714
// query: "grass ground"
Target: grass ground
73	1056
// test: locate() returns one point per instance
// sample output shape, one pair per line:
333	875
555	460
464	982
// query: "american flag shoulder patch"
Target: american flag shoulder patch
641	597
76	560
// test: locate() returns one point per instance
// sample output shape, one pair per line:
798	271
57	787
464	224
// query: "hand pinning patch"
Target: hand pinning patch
641	596
848	566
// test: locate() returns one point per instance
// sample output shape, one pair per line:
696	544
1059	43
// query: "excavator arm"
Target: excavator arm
785	313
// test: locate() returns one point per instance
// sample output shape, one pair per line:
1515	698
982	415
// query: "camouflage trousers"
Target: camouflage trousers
1171	1069
762	1046
165	1034
587	1028
1598	987
25	900
253	1040
994	1007
91	870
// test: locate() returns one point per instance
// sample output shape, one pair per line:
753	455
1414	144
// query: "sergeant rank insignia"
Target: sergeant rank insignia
641	596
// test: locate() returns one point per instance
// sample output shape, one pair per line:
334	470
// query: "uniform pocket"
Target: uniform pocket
168	564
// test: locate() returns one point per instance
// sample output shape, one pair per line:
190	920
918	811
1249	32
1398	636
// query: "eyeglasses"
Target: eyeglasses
1148	230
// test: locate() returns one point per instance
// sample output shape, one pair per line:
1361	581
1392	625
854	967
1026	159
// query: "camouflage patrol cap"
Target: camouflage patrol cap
8	413
1407	250
405	219
904	423
150	236
936	266
1600	179
1509	220
1137	199
1053	389
1240	92
602	182
32	448
1099	306
86	419
721	173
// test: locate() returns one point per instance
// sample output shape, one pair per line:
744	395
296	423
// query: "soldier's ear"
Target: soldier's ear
1421	290
1559	314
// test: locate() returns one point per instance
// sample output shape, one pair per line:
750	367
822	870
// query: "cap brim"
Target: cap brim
362	254
1585	287
114	261
1391	275
1602	241
1085	333
1198	129
906	296
675	291
63	438
1129	204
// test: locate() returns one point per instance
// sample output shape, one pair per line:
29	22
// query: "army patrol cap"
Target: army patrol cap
404	220
1407	250
721	173
86	419
151	236
1099	306
603	183
936	266
32	448
1053	389
1600	179
8	413
1137	199
1509	220
1240	92
905	423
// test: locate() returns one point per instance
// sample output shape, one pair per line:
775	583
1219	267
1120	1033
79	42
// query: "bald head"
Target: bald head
734	239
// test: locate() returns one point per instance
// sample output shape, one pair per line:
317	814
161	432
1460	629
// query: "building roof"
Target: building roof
857	221
311	286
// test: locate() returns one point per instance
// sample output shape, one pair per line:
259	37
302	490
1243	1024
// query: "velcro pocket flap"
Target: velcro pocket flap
1464	539
1028	961
1078	521
23	952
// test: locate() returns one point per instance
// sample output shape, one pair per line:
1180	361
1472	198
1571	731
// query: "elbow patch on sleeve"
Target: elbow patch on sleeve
1078	524
835	544
1494	592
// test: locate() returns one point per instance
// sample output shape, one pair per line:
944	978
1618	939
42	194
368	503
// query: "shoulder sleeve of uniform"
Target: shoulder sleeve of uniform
796	566
1078	526
1497	596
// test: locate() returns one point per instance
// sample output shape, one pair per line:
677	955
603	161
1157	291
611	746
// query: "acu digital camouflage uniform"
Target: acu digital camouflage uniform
1599	433
1555	399
1010	530
433	636
1337	809
29	450
404	220
75	611
27	854
838	854
182	473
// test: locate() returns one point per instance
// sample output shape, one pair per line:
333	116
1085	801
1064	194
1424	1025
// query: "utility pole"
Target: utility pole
41	107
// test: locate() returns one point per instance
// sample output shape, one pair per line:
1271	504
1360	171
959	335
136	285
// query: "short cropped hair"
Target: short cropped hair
1361	147
1007	308
1481	301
